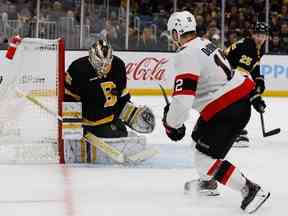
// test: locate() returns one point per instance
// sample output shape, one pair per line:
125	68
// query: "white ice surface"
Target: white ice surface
156	188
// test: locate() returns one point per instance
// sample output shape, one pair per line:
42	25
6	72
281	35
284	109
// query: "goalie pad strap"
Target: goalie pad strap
125	113
128	112
132	114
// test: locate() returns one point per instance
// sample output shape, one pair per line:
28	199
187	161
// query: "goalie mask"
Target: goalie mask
141	119
100	57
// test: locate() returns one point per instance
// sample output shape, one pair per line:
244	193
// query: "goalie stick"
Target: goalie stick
38	103
268	133
117	155
112	152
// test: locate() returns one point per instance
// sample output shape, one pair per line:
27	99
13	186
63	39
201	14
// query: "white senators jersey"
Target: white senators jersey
204	81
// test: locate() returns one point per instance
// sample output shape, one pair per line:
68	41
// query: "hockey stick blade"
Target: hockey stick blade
164	94
272	132
268	133
143	155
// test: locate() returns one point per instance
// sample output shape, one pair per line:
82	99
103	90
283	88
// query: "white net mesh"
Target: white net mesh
28	133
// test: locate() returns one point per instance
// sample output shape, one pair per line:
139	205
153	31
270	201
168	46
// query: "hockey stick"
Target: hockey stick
38	103
264	132
113	153
164	94
143	155
268	133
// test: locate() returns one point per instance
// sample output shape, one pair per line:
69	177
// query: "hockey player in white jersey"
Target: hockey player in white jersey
204	81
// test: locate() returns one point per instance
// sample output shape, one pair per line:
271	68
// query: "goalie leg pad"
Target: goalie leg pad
140	119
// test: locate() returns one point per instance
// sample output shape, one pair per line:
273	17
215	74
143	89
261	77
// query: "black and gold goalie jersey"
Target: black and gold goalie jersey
102	98
245	56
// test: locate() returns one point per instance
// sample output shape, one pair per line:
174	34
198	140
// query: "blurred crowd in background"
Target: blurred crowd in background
147	21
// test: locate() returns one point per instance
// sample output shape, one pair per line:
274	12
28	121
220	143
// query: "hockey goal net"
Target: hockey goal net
29	133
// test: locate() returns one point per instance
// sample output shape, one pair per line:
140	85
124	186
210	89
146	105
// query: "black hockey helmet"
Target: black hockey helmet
100	57
262	28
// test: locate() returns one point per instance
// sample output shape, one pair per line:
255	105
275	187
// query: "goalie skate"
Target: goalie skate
202	187
254	197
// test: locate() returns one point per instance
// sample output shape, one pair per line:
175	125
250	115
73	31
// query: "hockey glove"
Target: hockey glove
173	133
260	84
258	103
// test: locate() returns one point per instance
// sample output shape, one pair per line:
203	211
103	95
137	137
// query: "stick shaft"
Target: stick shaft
164	94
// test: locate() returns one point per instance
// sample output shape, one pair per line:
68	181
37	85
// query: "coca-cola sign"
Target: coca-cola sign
148	68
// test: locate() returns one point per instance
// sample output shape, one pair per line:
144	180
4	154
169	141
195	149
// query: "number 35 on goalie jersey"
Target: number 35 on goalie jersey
203	72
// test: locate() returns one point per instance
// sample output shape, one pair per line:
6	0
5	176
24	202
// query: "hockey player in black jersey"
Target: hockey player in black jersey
244	56
99	82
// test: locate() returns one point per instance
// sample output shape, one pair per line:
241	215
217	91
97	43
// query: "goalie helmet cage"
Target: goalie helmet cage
28	133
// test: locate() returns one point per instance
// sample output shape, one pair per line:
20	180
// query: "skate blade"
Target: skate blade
255	207
241	144
209	192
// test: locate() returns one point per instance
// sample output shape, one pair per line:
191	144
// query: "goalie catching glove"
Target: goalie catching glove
140	119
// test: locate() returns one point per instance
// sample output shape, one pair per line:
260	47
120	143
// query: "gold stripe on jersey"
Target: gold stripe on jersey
75	96
242	70
68	78
98	122
124	92
256	63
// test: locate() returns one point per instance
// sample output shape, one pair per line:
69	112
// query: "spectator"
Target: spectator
147	42
274	25
201	26
56	12
284	34
275	45
133	38
284	12
110	33
232	38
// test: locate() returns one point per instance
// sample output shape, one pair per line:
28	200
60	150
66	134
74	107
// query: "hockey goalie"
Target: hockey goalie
98	82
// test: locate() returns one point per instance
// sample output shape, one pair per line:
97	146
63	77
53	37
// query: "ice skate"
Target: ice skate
253	197
242	140
203	187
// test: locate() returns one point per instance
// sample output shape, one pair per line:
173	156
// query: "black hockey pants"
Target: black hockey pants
216	136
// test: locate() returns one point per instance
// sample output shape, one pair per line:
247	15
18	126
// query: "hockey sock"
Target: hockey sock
220	170
227	174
